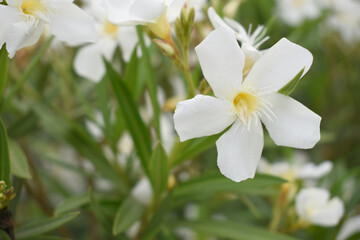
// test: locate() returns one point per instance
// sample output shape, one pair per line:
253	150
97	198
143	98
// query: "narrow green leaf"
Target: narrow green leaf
131	77
4	235
127	214
72	203
150	80
158	169
4	62
103	219
23	125
43	226
158	217
232	230
288	88
4	156
137	128
19	164
191	148
211	183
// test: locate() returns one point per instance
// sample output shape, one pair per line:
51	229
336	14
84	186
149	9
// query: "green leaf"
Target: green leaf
19	164
150	80
72	203
137	128
4	156
191	148
127	214
4	235
211	183
288	88
103	219
47	238
131	77
43	226
158	169
158	217
4	62
232	230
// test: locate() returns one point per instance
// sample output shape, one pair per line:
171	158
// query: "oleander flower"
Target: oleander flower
88	61
314	206
298	168
250	42
294	12
245	103
23	21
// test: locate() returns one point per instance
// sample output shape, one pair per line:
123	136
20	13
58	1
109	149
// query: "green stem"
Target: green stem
187	73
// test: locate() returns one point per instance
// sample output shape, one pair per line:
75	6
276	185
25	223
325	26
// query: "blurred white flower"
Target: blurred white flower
247	103
345	19
314	206
349	228
250	42
22	23
298	168
142	192
88	61
294	12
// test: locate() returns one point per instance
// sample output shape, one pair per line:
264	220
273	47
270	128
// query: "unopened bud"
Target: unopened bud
171	182
164	47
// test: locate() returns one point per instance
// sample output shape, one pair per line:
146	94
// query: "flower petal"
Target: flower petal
8	15
174	9
71	24
127	39
329	214
310	170
239	151
202	116
147	11
216	20
118	11
88	61
310	199
222	62
295	125
349	228
278	66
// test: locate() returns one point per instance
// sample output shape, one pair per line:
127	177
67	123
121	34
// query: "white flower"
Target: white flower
294	12
345	19
349	228
133	12
298	168
22	23
313	205
247	102
250	42
88	62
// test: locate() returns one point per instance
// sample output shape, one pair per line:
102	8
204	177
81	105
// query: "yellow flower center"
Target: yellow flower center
31	7
110	28
245	104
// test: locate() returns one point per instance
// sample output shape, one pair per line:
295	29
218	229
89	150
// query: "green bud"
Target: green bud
164	47
5	195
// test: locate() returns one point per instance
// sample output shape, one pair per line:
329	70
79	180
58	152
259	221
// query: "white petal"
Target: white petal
147	11
329	214
118	11
349	228
310	170
222	62
278	66
239	151
127	39
8	15
202	116
295	125
72	25
216	20
33	37
88	61
310	199
17	34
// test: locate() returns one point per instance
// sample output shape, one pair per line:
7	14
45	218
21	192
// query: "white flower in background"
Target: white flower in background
298	168
142	192
294	12
314	206
345	19
88	61
250	42
349	228
22	23
245	103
